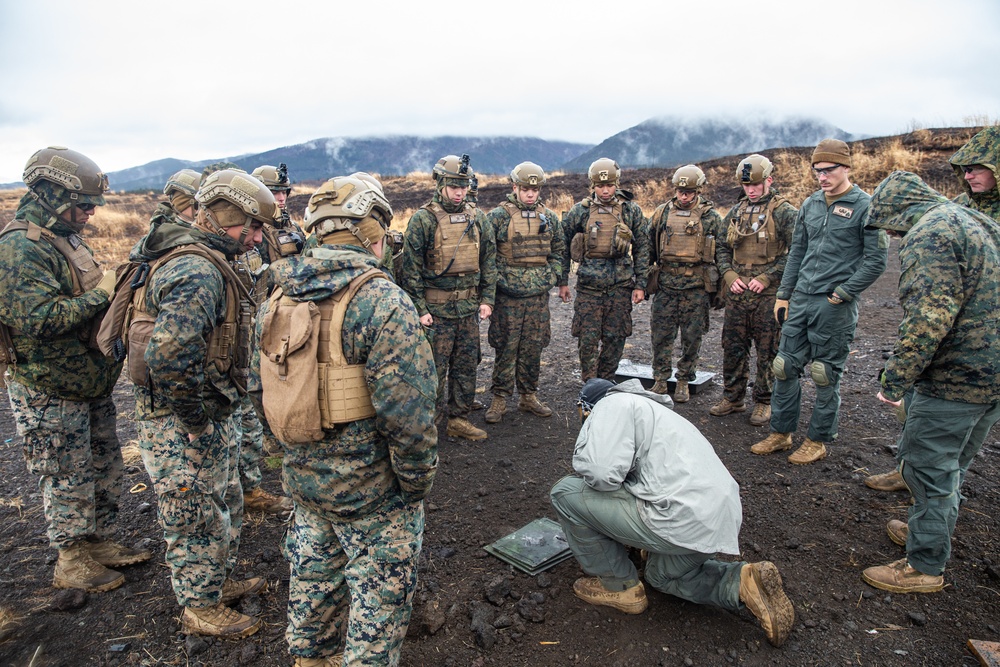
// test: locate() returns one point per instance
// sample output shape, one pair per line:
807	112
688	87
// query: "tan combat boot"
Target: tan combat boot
498	408
233	590
809	452
530	403
631	600
76	568
725	406
775	442
460	427
886	481
899	577
263	502
761	415
111	554
218	621
898	531
335	660
681	392
761	591
661	387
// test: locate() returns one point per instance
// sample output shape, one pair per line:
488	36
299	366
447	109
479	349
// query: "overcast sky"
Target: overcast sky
128	82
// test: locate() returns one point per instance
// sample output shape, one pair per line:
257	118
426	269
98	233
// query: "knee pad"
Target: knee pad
820	373
784	368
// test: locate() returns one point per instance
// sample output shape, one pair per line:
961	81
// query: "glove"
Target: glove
623	237
780	311
107	283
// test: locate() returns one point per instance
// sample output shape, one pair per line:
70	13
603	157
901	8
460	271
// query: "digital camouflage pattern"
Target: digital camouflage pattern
353	579
187	297
199	503
164	212
251	445
73	447
358	490
49	326
749	317
520	325
417	274
949	287
984	149
520	328
602	310
681	303
455	342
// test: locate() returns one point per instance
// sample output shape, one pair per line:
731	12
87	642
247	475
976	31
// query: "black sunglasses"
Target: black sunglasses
87	208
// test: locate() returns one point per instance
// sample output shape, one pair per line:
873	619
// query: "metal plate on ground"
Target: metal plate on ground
628	370
533	548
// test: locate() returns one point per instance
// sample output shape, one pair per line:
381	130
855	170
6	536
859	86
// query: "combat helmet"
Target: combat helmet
275	178
453	170
60	179
527	174
753	169
349	210
368	178
185	181
249	201
688	177
604	171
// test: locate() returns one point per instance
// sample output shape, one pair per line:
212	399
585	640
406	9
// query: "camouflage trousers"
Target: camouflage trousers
749	320
678	309
199	501
519	330
73	447
352	582
251	445
456	355
604	321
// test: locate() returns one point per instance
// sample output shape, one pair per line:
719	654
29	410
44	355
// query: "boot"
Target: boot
631	601
530	403
725	406
233	590
476	405
681	392
899	577
76	568
498	408
111	554
460	427
661	387
264	502
218	621
761	415
775	442
809	452
335	660
761	591
898	531
886	481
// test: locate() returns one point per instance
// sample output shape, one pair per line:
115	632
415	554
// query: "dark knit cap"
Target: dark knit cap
832	150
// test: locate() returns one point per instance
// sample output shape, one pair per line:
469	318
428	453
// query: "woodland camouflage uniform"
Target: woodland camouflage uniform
681	302
359	517
199	497
520	326
602	310
60	388
946	363
984	149
749	317
455	332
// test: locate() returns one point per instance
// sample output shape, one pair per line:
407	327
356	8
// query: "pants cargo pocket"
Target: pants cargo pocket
41	451
395	565
182	512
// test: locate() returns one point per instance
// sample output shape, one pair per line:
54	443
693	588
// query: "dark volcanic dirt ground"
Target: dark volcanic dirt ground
818	523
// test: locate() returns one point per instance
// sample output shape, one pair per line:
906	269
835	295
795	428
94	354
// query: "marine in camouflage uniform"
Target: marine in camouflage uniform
59	386
944	373
832	260
186	401
358	525
750	286
614	261
450	304
683	235
977	165
530	249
